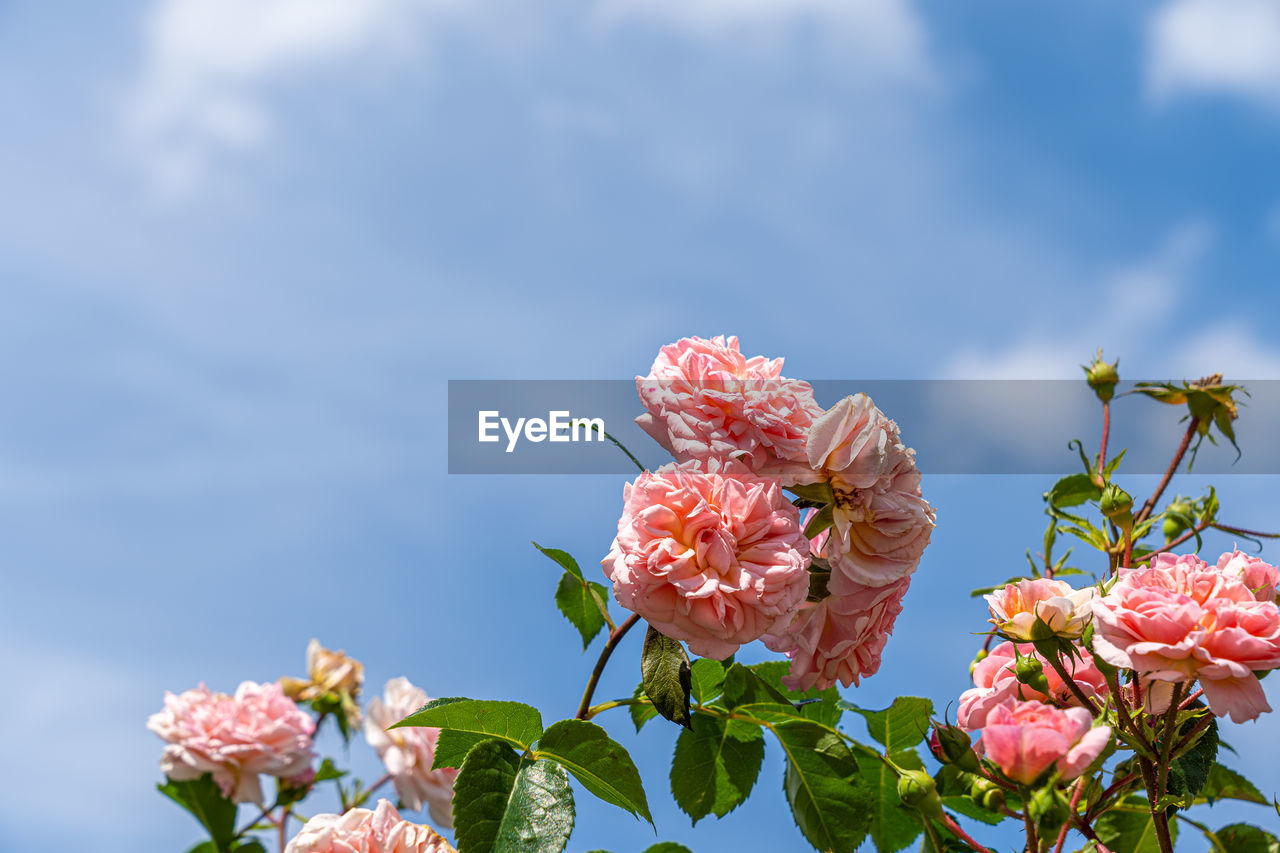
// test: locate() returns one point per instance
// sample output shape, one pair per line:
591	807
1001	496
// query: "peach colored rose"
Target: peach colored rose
408	752
1025	739
1063	610
708	553
235	738
705	400
332	674
363	831
1180	620
996	683
1261	578
881	523
839	638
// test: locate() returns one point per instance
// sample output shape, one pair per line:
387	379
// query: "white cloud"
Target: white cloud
207	63
1227	47
885	37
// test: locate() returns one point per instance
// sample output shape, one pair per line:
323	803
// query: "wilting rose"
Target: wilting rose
1025	739
1261	578
235	738
996	683
329	674
408	752
708	553
881	524
705	400
1063	610
839	638
363	831
1180	620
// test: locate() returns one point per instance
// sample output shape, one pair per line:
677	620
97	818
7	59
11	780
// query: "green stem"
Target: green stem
623	448
615	637
1084	700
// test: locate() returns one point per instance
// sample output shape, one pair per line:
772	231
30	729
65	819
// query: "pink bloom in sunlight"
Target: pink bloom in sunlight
1261	578
235	738
363	831
708	553
705	400
408	752
839	638
996	683
1054	605
1025	739
881	522
1180	619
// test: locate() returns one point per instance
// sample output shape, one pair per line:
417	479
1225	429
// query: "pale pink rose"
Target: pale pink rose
1025	739
705	400
839	638
408	752
235	738
1261	578
1065	611
881	523
996	683
363	831
1180	620
708	553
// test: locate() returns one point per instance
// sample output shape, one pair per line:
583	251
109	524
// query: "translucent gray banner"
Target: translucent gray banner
504	426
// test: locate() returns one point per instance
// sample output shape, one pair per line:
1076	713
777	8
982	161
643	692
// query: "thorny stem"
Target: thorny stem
1122	712
615	637
1102	445
1115	787
950	823
1151	502
1033	841
1159	817
1091	835
1075	803
1195	730
1200	528
1084	700
1166	746
1186	703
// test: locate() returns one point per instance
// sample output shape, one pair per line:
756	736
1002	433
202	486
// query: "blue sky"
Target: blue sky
244	244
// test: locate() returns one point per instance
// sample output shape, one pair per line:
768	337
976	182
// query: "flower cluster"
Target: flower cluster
709	550
381	830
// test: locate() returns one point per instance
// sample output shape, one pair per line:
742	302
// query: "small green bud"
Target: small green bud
1030	672
987	794
1117	505
952	745
916	788
1049	809
1102	377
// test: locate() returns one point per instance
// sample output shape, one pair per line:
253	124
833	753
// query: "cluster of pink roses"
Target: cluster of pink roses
709	550
1178	620
260	730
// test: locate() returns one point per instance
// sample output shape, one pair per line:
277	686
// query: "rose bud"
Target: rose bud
1102	377
986	794
1049	809
916	788
1030	672
952	745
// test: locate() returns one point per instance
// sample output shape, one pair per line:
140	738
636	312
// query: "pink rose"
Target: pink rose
365	831
839	638
1063	610
235	738
996	683
881	522
1025	739
708	553
1180	620
1261	578
704	400
408	752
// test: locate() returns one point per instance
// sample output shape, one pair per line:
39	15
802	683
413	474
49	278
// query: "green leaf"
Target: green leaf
248	846
708	679
602	766
564	558
505	804
466	722
1192	768
204	847
580	603
831	803
1130	830
1225	784
900	726
715	765
822	519
743	686
821	706
328	770
641	713
1246	838
667	847
1073	491
202	798
893	826
665	674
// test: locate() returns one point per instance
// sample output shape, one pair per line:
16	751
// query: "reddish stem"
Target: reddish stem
1168	474
950	823
615	637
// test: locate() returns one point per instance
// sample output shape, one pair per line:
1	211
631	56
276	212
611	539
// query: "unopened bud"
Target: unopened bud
1117	505
916	788
987	794
952	745
1030	672
1049	809
1102	377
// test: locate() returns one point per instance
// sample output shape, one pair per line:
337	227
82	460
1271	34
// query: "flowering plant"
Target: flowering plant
1094	714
